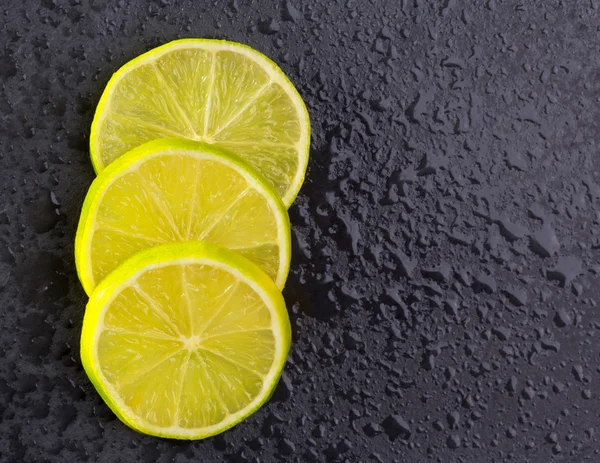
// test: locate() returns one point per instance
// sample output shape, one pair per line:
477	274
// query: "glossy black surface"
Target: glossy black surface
444	284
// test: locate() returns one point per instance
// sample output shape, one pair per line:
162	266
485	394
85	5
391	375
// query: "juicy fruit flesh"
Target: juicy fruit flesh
178	198
186	346
221	97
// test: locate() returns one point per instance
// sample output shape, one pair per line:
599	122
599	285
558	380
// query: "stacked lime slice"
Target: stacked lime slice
183	243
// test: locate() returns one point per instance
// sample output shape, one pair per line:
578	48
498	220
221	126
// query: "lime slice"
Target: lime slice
173	190
185	340
214	91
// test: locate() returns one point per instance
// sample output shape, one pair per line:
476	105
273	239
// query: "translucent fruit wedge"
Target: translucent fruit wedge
185	340
215	91
174	190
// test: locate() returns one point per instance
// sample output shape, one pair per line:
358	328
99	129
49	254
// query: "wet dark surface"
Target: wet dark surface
444	286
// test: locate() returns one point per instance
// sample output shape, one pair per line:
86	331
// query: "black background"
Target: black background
443	291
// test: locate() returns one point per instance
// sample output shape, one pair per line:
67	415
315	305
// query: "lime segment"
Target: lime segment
185	340
214	91
175	190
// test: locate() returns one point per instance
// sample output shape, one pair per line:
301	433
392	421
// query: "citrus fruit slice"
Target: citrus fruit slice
174	190
185	340
214	91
